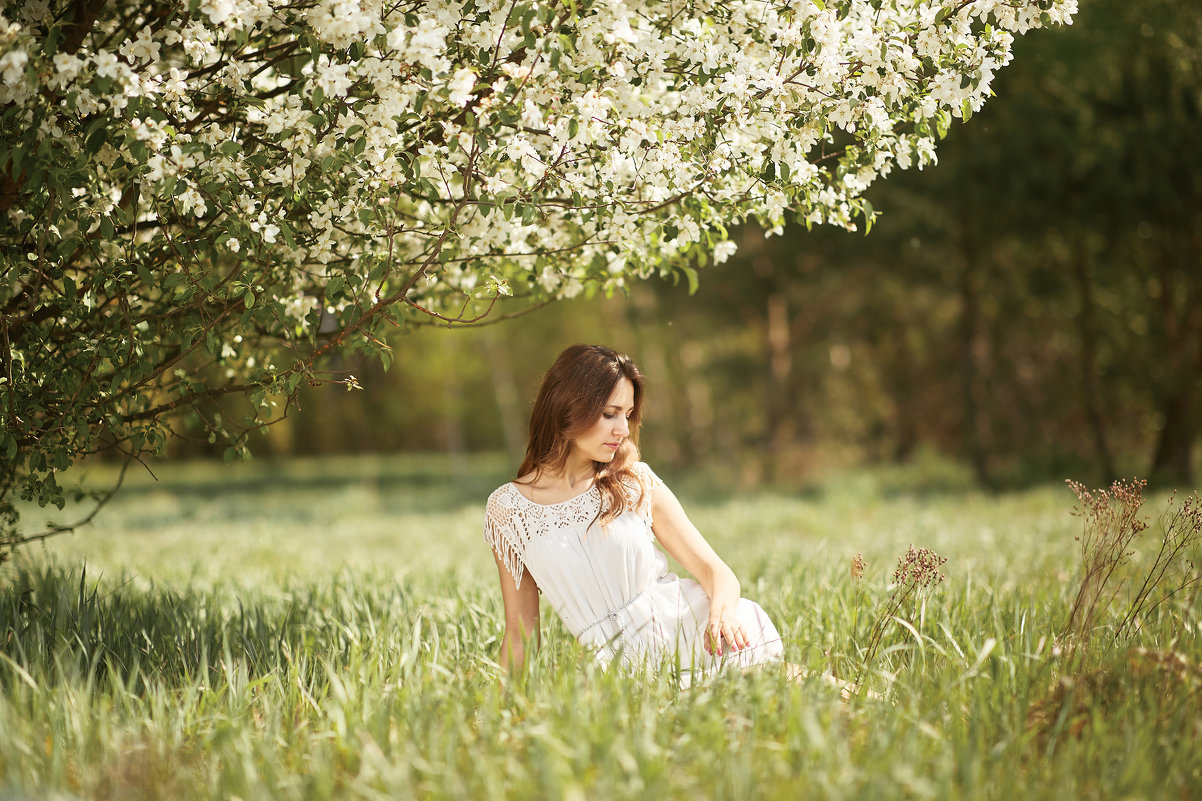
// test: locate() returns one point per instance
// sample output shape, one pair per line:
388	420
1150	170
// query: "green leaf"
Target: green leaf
96	138
17	156
691	274
137	150
53	39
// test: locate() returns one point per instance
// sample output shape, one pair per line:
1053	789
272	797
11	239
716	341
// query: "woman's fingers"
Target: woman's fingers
741	639
714	646
725	632
736	635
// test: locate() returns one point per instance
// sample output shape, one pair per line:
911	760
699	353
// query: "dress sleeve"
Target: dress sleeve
503	530
648	481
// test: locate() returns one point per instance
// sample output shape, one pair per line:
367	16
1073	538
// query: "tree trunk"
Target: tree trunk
1091	392
454	432
901	390
969	369
662	405
1173	461
704	437
780	366
509	404
1182	397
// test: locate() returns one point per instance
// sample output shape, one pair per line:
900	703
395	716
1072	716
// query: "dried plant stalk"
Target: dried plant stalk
917	572
857	566
1110	524
1172	571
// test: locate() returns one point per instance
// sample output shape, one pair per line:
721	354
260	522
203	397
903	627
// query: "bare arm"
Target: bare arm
521	616
684	543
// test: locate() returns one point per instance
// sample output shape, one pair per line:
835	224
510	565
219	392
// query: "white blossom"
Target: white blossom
34	12
221	12
605	150
460	87
334	79
12	66
723	251
142	48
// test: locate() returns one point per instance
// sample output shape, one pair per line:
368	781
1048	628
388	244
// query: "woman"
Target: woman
579	525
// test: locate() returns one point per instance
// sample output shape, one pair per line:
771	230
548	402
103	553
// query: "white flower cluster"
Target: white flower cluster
434	149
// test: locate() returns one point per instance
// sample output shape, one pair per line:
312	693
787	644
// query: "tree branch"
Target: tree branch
54	530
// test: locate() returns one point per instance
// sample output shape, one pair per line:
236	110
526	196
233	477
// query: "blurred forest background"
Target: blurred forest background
1031	307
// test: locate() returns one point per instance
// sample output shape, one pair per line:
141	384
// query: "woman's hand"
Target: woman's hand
724	629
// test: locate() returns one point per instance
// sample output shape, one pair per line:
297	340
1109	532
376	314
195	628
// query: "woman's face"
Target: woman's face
601	442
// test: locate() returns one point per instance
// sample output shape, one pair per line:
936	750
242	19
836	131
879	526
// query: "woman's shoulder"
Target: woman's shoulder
644	475
502	496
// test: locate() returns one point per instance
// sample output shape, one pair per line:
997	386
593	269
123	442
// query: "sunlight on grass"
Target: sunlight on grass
326	629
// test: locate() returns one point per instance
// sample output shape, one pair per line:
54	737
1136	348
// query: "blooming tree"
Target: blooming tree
201	199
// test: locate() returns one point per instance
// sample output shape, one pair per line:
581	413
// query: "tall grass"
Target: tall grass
327	630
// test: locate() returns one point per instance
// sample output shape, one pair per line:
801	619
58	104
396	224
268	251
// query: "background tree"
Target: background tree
1083	239
1031	303
1061	360
206	199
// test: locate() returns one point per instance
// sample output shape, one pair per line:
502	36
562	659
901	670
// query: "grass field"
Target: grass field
326	629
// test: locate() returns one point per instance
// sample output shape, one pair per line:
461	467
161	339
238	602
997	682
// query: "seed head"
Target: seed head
920	567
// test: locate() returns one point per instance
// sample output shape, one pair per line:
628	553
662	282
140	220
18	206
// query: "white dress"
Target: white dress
611	586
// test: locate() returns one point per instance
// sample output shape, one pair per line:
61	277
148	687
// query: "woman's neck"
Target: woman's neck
574	474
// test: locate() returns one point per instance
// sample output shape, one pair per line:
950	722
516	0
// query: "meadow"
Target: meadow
327	629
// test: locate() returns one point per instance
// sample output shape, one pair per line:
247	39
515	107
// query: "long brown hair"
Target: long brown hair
570	400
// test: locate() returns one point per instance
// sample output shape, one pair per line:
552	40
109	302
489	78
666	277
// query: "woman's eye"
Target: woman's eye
607	415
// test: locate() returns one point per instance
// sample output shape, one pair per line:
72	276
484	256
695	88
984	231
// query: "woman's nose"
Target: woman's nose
623	426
